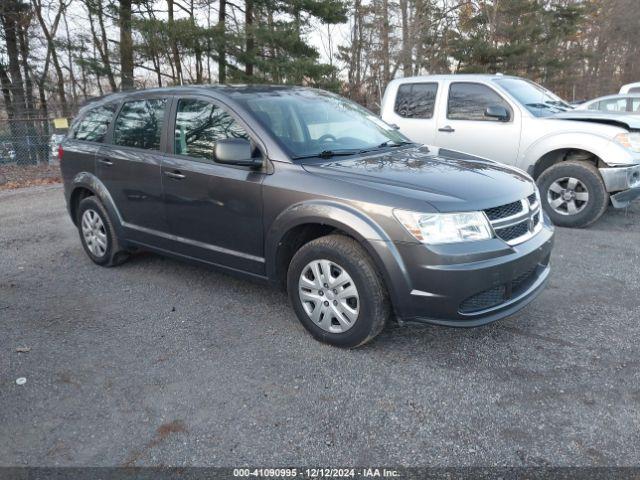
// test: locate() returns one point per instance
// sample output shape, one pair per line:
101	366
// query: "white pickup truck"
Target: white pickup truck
581	160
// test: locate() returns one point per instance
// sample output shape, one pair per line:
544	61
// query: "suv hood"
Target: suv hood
449	181
624	120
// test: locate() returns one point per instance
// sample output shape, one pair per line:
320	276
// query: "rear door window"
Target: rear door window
468	101
613	105
139	124
199	125
94	125
416	100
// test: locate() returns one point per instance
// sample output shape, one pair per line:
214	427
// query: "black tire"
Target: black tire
590	180
373	301
114	254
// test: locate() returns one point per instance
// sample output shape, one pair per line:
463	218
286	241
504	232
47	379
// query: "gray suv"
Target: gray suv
305	190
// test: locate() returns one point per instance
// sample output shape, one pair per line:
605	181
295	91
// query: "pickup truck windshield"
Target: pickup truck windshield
539	101
317	124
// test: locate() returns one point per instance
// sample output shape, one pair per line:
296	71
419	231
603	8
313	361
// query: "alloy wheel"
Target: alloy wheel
567	196
329	296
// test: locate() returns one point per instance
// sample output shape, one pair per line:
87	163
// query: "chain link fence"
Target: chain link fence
31	141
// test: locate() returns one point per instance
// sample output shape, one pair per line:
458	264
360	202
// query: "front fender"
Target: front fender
603	147
354	223
91	182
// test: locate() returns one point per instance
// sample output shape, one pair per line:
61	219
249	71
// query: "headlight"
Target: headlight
437	228
629	140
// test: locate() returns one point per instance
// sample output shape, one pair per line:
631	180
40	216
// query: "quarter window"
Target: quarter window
468	101
199	125
94	125
416	100
139	124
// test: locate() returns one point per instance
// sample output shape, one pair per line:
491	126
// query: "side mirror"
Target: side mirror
497	111
235	151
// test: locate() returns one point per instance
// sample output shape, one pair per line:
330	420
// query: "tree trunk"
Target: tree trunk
72	75
103	48
24	56
9	12
406	38
174	44
49	35
5	85
386	71
126	46
249	46
222	61
21	127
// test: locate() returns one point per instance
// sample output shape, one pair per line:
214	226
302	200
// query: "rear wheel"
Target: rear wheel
336	291
573	194
97	235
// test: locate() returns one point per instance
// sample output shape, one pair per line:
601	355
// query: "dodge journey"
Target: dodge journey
312	193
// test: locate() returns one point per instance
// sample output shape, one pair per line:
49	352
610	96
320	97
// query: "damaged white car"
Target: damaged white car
582	161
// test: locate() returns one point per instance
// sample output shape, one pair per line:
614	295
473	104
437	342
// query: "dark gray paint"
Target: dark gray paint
235	217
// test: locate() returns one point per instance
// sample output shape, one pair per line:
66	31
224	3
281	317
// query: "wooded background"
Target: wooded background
55	54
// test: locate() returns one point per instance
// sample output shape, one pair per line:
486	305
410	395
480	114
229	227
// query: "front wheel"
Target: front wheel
337	292
573	194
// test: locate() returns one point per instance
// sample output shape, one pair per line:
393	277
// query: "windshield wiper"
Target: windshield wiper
328	154
338	153
393	143
563	106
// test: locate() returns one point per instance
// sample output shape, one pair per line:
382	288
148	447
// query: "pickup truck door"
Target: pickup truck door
413	111
463	125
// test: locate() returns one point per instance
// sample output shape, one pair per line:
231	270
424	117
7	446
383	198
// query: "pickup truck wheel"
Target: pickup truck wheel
97	235
336	291
573	194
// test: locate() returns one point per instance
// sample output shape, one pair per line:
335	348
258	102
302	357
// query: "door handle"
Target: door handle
447	129
176	175
105	162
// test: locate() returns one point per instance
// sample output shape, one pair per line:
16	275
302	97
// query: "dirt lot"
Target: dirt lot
20	176
158	362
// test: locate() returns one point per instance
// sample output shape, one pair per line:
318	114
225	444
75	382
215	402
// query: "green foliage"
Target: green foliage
516	37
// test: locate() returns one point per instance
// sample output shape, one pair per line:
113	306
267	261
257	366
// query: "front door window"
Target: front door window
199	125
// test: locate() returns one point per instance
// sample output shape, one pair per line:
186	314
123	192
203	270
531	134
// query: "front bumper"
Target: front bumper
623	183
453	286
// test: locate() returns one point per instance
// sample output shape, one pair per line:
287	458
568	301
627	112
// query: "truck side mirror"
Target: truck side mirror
236	151
497	111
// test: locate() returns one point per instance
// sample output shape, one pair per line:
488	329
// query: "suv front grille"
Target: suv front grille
504	211
514	231
522	280
515	222
487	299
495	296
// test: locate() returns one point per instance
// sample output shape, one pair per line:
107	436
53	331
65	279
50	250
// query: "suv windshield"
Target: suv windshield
538	100
318	124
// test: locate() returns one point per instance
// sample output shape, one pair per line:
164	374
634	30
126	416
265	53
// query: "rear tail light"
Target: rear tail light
60	152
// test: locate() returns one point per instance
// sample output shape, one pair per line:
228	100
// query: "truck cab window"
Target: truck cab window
468	101
416	100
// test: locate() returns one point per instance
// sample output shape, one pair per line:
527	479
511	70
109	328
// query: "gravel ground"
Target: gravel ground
158	362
